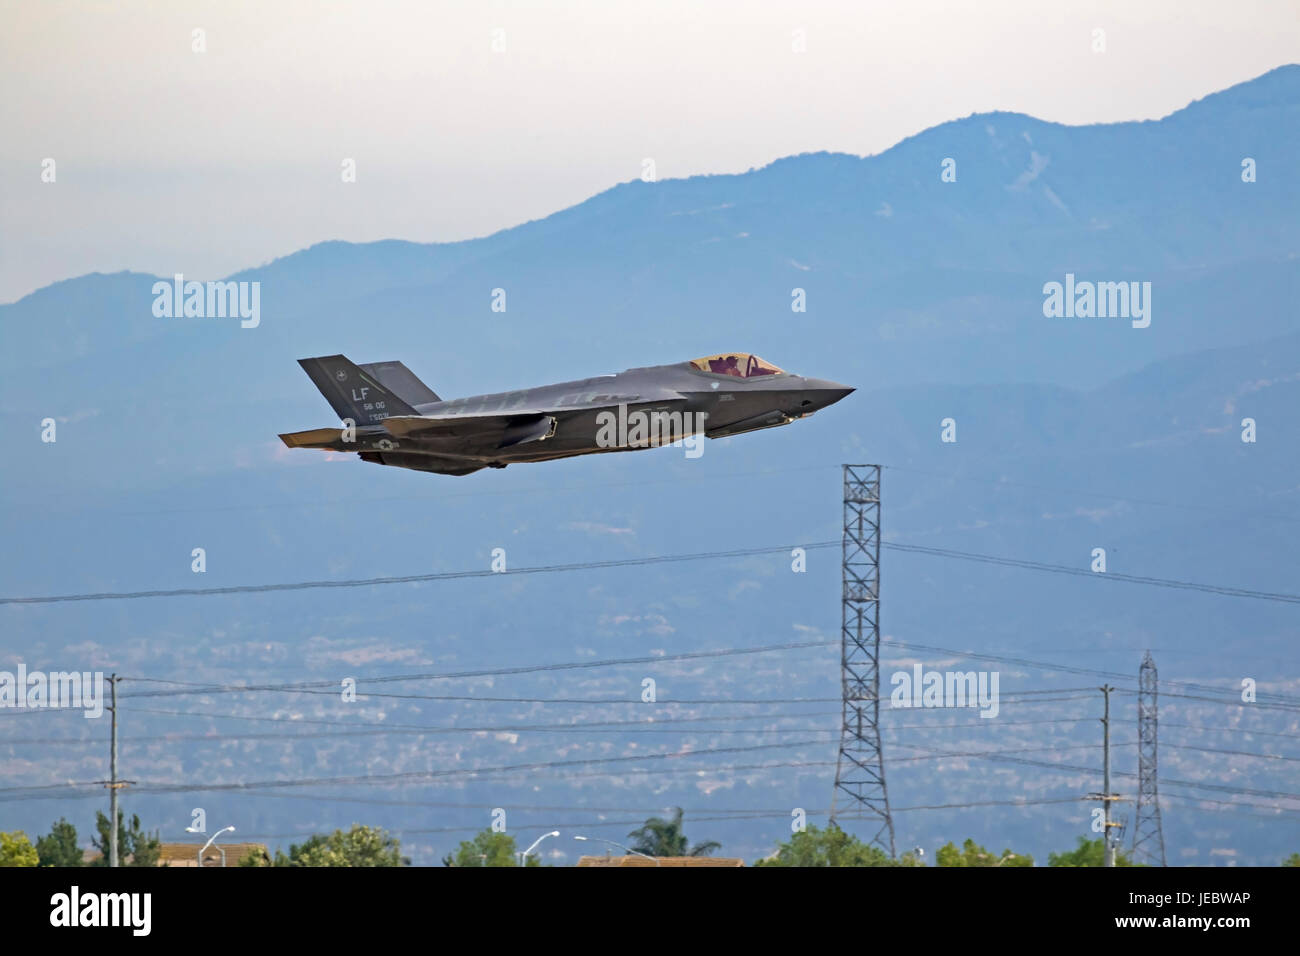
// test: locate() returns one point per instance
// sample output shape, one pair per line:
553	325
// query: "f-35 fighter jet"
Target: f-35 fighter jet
390	417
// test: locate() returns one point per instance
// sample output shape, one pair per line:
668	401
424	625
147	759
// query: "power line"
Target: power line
614	727
1103	576
693	701
1287	706
945	754
45	792
1164	781
1088	671
369	779
194	687
970	804
1221	590
1184	799
462	675
571	729
1009	697
381	728
1004	482
532	774
413	578
413	775
621	728
1228	730
1231	753
439	728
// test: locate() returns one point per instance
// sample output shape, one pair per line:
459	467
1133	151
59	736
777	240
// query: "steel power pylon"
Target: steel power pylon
1148	837
860	770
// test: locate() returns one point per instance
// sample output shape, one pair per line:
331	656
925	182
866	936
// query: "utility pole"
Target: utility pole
1111	831
1106	796
112	776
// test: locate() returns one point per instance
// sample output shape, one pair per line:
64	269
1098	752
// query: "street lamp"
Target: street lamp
210	842
621	847
523	857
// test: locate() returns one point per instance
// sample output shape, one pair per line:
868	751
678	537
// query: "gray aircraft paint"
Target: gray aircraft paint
397	424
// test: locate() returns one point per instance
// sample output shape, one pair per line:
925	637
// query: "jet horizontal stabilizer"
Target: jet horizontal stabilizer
315	438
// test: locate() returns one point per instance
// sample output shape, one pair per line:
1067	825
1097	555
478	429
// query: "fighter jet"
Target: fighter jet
389	417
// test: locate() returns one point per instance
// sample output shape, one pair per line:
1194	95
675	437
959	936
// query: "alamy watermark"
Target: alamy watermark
1100	300
208	300
59	689
649	429
129	910
921	688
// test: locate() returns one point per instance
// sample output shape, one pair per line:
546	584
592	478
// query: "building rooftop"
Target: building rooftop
186	854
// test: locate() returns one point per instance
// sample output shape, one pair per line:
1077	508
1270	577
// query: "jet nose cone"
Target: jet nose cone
821	392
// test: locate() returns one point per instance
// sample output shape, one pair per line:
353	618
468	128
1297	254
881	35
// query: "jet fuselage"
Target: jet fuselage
606	413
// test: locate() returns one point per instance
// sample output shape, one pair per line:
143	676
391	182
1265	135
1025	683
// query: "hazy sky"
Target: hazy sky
170	160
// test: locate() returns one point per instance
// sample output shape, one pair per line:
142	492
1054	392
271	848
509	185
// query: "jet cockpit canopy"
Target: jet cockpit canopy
736	364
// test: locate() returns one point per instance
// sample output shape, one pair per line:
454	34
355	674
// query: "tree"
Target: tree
255	857
831	847
1292	860
134	846
1089	853
59	846
359	846
17	850
972	854
488	848
660	837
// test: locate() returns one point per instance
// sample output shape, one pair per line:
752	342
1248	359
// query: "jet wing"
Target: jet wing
516	428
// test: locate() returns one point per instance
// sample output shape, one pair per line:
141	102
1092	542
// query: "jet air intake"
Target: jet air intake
534	428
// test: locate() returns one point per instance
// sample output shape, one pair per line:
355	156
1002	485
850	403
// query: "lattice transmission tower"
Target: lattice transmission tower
860	770
1148	837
